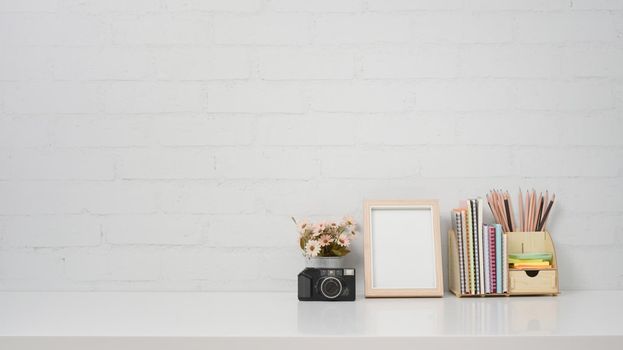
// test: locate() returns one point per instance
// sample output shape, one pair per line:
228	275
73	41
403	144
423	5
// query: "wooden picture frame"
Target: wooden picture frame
402	248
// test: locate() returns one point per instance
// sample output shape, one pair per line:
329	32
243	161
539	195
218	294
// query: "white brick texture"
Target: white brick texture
255	97
342	29
285	64
165	144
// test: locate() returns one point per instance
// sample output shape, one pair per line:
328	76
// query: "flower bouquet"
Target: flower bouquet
326	239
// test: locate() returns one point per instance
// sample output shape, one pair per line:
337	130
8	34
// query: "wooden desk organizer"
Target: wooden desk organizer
520	281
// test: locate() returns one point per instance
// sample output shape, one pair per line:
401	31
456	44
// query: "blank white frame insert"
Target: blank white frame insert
402	249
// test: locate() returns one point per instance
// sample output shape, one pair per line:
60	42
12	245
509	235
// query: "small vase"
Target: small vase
329	262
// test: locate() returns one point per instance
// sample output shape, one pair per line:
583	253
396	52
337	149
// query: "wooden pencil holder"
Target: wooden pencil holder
534	281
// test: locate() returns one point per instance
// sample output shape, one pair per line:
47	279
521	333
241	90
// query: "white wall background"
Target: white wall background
163	145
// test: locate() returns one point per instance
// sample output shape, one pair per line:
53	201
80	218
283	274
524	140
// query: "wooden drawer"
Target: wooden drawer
533	281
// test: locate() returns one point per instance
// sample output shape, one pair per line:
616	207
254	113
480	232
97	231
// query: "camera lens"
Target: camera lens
331	287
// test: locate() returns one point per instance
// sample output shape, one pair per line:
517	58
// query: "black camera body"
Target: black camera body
326	284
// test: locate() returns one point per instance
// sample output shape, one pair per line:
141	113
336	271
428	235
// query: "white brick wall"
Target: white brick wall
255	97
164	144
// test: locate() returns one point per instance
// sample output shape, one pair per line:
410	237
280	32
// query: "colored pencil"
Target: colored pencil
547	211
521	220
539	217
534	210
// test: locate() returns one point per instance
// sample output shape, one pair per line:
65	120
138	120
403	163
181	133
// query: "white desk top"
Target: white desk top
281	315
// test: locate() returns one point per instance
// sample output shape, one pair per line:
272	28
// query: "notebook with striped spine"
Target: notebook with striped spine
487	266
458	224
505	261
498	258
492	257
481	237
477	244
470	249
465	246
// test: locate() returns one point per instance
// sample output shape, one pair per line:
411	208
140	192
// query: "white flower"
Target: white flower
349	221
343	240
303	226
325	240
352	233
312	248
318	229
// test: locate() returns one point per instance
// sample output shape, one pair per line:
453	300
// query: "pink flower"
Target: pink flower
343	240
325	240
312	248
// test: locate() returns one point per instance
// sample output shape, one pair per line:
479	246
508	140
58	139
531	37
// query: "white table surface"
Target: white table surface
28	317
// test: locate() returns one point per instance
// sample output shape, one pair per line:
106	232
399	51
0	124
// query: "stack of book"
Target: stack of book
482	251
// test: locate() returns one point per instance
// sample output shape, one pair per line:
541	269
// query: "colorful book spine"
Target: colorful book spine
486	248
482	251
492	249
498	257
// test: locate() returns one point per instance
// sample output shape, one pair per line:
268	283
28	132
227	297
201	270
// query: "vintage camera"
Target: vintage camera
320	284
